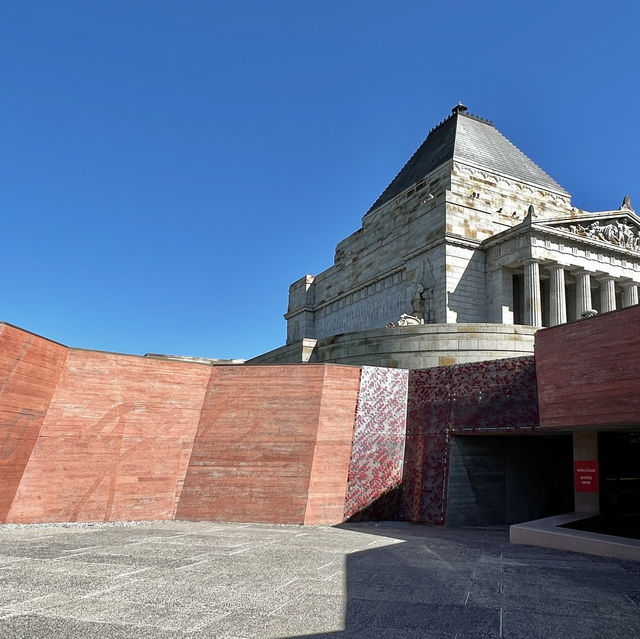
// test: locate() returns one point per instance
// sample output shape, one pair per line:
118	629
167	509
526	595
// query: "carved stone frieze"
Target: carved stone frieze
617	232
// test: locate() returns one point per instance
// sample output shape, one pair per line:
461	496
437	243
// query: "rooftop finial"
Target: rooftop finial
459	108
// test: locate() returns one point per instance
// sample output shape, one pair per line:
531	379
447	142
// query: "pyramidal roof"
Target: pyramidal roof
467	138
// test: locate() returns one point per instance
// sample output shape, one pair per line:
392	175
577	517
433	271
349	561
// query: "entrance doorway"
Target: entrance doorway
619	461
508	479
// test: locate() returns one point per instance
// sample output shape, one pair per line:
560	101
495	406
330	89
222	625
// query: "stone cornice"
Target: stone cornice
510	180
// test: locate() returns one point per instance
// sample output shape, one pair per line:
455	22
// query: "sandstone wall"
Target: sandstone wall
410	347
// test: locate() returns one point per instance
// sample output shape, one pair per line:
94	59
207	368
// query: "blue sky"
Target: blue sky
169	168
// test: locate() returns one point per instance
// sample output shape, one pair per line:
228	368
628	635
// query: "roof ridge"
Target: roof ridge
462	139
479	118
527	156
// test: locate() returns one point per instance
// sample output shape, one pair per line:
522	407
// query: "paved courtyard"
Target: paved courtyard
184	579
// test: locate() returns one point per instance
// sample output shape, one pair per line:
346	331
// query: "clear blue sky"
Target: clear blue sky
169	168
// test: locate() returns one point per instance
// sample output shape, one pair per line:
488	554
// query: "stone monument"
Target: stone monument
476	241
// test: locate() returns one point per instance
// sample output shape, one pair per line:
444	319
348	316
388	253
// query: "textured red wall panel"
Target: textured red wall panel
328	480
589	371
252	455
115	442
491	397
29	370
375	469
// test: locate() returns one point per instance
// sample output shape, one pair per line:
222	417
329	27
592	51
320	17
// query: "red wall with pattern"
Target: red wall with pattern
494	397
115	442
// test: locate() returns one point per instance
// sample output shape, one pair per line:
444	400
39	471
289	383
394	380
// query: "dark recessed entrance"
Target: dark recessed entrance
508	479
619	460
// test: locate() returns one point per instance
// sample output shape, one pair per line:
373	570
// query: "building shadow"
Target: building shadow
407	586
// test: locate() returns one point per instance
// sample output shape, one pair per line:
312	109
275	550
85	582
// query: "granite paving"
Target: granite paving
180	579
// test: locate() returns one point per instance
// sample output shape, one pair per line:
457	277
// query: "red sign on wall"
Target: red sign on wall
585	476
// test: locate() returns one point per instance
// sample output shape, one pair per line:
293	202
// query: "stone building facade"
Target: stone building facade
470	234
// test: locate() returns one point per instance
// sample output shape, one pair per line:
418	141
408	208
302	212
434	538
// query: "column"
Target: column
532	297
583	293
585	450
630	294
557	296
607	294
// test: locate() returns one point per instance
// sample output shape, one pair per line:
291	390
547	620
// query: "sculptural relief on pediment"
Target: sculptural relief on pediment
614	231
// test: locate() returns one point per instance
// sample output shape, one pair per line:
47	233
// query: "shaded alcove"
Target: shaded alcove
506	479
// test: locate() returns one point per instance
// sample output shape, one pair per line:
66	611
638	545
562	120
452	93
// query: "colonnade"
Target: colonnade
557	293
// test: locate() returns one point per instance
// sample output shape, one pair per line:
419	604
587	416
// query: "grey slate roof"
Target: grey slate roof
467	138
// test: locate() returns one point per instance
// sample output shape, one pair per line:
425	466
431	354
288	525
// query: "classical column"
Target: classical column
630	294
607	294
557	296
532	297
583	293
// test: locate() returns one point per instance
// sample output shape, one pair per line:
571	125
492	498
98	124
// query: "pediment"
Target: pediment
619	228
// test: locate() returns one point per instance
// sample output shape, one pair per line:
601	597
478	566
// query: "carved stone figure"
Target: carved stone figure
417	301
409	320
626	203
618	232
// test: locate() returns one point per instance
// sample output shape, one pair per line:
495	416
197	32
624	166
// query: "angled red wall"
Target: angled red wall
329	471
115	442
29	369
589	372
272	444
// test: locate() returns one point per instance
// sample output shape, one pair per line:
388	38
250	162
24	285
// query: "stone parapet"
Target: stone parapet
413	347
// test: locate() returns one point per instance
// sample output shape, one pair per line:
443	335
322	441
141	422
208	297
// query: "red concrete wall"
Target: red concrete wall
332	452
115	442
589	372
29	370
268	438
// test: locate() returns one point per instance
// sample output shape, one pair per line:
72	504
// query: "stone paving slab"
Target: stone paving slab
173	580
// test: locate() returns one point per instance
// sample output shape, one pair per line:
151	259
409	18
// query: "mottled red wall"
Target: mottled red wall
267	438
492	397
115	442
29	369
89	436
377	455
328	479
589	372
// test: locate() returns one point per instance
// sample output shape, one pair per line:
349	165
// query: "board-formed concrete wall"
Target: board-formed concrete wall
115	442
29	370
588	372
273	445
93	436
